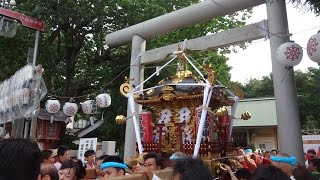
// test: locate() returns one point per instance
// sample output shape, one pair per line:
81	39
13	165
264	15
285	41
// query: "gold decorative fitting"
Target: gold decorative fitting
184	74
221	111
169	97
167	88
161	82
150	91
177	80
120	119
125	88
246	115
210	72
136	96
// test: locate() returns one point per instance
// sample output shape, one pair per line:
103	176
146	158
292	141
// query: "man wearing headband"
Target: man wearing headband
285	162
113	166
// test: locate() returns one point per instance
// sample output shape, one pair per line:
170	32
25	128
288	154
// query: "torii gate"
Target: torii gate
289	130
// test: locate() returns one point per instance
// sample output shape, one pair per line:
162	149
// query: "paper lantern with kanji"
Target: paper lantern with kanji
313	48
89	107
289	54
103	100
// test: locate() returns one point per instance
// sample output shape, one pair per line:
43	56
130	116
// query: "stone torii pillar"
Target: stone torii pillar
288	118
136	77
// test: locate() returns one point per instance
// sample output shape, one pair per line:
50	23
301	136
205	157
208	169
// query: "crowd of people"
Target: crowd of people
22	159
273	165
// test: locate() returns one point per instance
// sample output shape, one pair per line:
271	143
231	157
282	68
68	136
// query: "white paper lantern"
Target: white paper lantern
52	106
289	54
89	107
103	100
313	48
13	2
70	109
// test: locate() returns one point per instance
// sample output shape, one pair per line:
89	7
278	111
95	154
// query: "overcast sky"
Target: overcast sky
255	61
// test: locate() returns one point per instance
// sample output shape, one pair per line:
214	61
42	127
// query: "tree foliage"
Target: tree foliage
72	51
313	5
259	88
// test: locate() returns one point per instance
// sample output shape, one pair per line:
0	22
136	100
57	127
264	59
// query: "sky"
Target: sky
255	61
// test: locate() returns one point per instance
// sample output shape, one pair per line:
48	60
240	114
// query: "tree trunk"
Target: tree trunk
70	71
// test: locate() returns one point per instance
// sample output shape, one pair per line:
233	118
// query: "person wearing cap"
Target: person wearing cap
113	166
47	156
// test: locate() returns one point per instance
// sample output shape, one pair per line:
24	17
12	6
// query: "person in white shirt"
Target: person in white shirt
152	162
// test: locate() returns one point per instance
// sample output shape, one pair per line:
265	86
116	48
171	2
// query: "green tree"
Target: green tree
308	90
73	54
313	5
259	88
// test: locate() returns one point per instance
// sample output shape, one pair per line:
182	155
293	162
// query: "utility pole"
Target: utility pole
34	120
